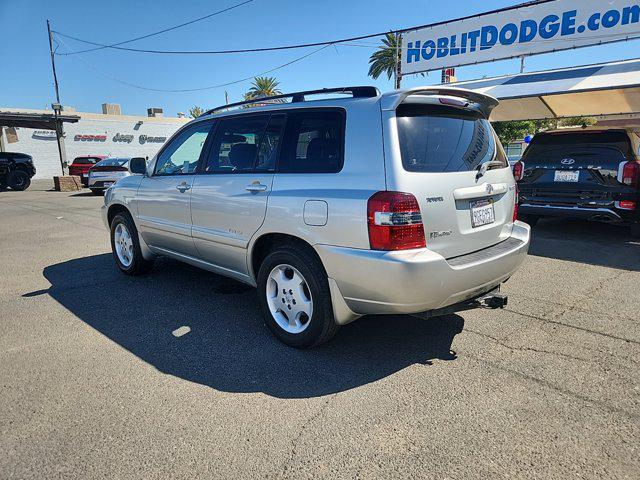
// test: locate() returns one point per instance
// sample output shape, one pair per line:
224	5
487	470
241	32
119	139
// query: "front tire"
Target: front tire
18	180
294	297
126	246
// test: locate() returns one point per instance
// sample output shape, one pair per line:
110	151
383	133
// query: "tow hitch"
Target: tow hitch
492	300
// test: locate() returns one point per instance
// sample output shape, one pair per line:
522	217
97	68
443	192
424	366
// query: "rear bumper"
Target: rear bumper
413	281
603	214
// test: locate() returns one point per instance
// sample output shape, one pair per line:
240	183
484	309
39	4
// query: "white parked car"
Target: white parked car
334	208
107	172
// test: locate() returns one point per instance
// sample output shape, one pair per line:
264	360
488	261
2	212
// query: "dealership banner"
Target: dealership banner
538	28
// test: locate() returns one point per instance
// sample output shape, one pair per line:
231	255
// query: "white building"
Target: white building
108	133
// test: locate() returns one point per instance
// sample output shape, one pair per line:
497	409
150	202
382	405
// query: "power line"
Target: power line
115	45
210	87
220	52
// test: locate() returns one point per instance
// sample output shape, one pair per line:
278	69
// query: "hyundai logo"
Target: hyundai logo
568	161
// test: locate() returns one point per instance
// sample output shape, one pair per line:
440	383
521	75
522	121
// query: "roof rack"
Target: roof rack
356	92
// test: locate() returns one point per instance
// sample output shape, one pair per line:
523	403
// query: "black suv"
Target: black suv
16	170
591	173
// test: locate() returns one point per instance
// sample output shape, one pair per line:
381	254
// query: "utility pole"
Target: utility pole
522	64
57	107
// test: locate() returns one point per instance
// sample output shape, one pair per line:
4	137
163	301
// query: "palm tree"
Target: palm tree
263	87
387	58
195	111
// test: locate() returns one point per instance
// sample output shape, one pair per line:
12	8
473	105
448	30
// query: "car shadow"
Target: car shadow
586	242
207	329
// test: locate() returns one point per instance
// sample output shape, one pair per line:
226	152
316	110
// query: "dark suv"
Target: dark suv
16	170
591	173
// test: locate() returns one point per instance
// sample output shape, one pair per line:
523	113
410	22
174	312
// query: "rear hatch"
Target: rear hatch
452	161
81	165
574	168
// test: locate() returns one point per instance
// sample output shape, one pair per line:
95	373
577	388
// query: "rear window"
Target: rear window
85	161
551	147
112	162
313	142
436	138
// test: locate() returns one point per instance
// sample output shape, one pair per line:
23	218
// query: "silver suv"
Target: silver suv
334	208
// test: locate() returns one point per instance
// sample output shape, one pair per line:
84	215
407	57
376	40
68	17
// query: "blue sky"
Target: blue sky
26	81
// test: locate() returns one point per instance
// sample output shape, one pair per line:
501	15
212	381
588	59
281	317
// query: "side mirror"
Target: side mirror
138	165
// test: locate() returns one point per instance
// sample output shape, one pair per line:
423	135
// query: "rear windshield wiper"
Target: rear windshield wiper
483	167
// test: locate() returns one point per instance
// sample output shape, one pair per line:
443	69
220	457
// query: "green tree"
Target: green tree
262	87
516	130
386	60
578	122
195	111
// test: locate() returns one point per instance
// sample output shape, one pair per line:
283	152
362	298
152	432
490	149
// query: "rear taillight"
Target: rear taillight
518	170
395	222
626	204
629	173
515	205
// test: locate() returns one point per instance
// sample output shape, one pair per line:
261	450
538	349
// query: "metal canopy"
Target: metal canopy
42	121
593	90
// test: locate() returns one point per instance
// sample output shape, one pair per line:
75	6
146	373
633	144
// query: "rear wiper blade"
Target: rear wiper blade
483	167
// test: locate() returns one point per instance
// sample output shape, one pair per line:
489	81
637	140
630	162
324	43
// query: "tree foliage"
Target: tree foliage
195	111
516	130
386	59
262	87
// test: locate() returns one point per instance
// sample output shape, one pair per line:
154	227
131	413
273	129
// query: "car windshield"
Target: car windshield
112	162
436	138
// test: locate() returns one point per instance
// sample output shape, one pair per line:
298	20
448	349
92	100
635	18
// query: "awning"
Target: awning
41	121
594	90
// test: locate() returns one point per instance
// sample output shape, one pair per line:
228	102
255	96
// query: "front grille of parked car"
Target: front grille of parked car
486	253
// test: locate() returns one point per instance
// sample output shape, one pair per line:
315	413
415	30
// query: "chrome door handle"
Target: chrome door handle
256	187
183	187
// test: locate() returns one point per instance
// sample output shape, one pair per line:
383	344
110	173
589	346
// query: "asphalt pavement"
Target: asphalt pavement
173	375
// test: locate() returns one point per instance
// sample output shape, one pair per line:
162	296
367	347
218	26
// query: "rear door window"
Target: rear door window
313	142
436	138
236	143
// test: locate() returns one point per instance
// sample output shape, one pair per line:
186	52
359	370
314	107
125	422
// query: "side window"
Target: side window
313	143
181	156
236	143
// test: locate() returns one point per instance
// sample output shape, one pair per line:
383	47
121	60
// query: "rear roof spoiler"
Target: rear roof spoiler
485	103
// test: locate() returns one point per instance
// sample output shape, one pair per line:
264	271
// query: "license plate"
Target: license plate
482	213
566	176
107	184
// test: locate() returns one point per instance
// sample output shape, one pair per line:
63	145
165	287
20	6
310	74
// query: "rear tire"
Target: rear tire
125	246
635	230
97	191
18	180
289	263
528	218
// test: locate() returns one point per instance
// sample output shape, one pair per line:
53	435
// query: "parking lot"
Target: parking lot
100	380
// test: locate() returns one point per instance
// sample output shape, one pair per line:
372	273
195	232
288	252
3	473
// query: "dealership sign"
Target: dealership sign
90	138
514	32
